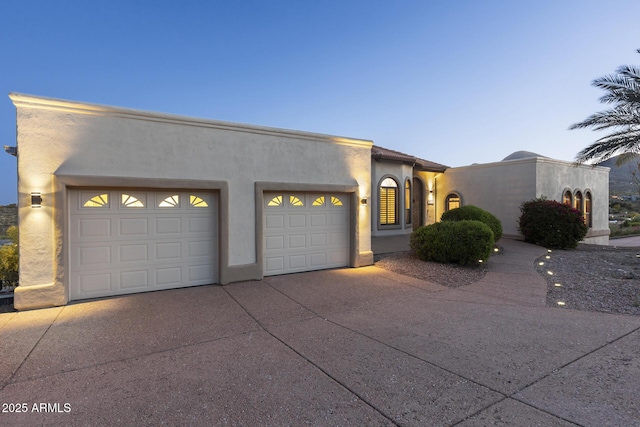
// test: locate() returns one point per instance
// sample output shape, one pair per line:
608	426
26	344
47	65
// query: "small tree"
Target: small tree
551	224
9	259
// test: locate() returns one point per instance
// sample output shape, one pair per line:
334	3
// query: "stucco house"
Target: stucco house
114	201
501	187
425	190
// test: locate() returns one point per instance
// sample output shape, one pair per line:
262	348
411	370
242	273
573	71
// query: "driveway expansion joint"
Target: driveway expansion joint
310	362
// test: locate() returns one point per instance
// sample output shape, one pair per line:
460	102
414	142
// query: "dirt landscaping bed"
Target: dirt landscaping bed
450	275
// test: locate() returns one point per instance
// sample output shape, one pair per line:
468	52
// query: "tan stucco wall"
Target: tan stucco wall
63	143
554	176
501	187
430	198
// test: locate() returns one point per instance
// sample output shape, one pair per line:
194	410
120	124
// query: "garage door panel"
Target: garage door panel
168	226
134	253
297	220
94	255
169	251
274	264
299	232
198	273
199	249
338	219
89	228
199	225
134	280
337	256
297	261
123	241
318	220
275	222
318	239
274	242
338	239
318	259
133	227
169	276
93	284
297	241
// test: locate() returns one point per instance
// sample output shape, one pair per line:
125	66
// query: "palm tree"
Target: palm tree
623	91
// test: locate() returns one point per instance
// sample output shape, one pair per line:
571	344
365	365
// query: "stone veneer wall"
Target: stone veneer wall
8	217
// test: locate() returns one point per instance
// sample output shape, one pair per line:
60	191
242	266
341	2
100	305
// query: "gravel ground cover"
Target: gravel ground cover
450	275
591	277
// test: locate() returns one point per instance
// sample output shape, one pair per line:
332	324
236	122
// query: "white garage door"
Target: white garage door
305	232
125	241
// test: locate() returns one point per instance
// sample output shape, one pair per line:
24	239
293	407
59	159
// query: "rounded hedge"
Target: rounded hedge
551	224
463	242
475	213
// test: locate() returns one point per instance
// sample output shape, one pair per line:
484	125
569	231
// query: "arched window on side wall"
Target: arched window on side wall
388	202
567	199
587	209
407	202
452	202
577	202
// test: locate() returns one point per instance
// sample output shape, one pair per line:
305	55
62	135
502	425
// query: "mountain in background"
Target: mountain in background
620	178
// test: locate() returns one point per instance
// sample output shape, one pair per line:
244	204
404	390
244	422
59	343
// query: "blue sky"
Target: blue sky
456	82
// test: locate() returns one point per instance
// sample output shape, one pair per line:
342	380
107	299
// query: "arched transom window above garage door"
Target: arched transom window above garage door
102	199
300	200
97	201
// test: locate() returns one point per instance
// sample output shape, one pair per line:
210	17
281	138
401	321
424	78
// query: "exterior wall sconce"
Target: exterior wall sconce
430	198
36	200
363	201
11	150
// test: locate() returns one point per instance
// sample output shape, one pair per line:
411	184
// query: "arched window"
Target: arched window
452	202
577	202
388	202
587	209
566	198
407	202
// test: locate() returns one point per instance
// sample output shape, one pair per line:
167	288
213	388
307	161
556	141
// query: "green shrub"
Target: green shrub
551	224
9	259
461	242
475	213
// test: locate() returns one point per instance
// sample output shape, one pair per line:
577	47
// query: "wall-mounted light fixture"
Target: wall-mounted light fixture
36	200
11	150
430	198
363	201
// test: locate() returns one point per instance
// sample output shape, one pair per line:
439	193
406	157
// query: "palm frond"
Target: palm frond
611	145
619	116
623	91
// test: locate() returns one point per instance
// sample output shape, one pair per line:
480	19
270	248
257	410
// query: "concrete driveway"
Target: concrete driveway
341	347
